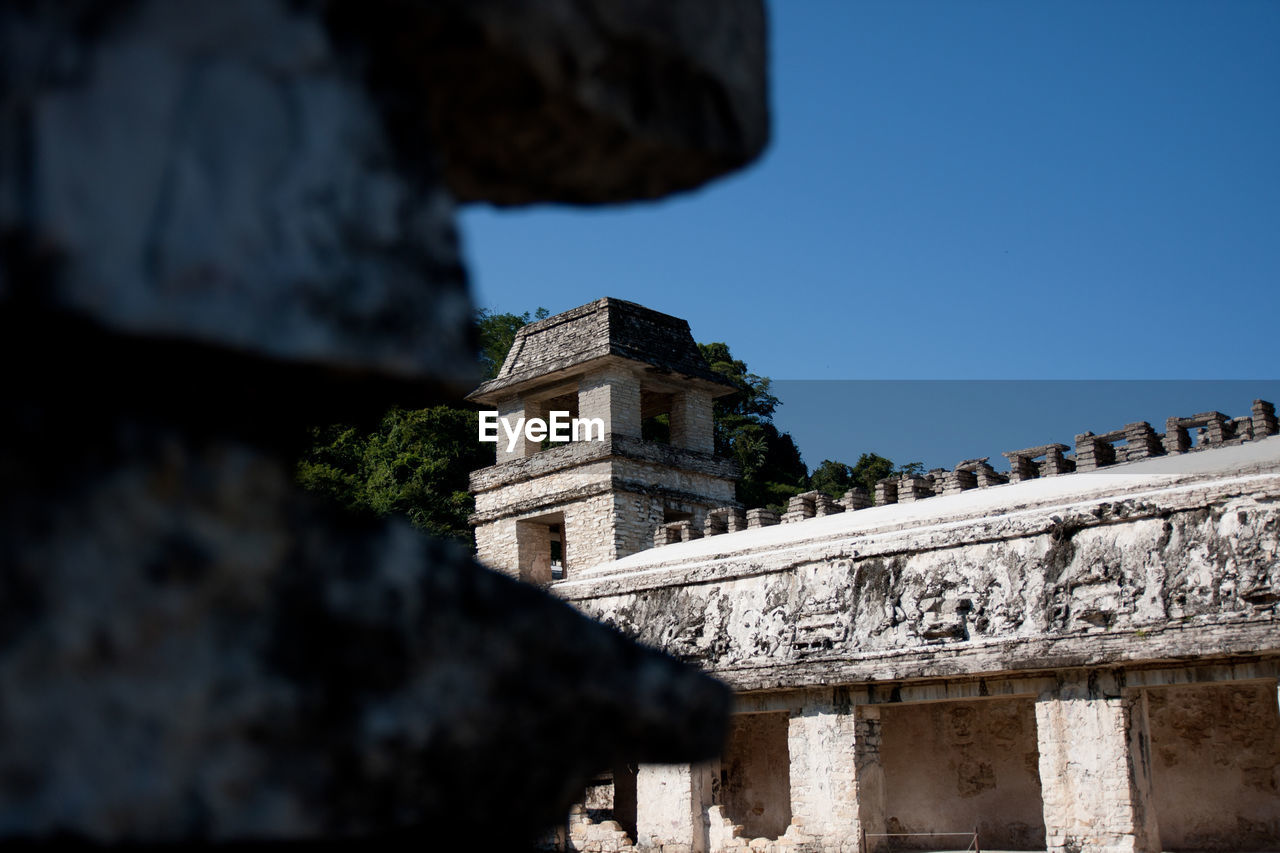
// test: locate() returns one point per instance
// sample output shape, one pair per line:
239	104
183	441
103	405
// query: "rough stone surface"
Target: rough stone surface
754	772
1095	758
190	650
672	802
588	102
1215	754
545	350
963	766
1175	567
237	219
830	777
219	173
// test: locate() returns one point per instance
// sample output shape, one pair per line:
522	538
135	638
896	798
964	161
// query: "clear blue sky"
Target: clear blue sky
964	190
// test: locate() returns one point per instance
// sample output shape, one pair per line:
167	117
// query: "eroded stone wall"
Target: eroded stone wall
1117	579
960	766
755	775
612	496
1216	766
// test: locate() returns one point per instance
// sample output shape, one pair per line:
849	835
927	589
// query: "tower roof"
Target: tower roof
560	346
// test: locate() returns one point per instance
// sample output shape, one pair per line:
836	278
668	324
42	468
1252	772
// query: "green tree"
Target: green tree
496	333
416	463
772	469
870	468
833	478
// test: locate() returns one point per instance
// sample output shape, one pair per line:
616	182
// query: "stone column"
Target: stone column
511	411
613	395
837	782
1095	771
691	424
497	546
671	807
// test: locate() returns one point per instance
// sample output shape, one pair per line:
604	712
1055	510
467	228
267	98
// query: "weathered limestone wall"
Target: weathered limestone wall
1095	760
696	483
984	660
755	775
837	783
1103	571
692	422
587	536
613	395
671	807
1216	766
612	495
957	766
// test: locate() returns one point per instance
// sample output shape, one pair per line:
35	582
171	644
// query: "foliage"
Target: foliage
772	469
836	478
833	478
415	463
496	333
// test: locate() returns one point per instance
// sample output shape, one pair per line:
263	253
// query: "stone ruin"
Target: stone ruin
1131	443
221	223
1037	659
589	502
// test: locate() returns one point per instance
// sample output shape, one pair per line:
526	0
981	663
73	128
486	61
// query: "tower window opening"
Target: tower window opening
655	415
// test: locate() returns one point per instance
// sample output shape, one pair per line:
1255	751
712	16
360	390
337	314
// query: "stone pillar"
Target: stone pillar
800	507
1176	439
958	480
761	518
886	491
1095	772
1093	452
856	498
1055	463
724	520
671	807
511	411
691	423
1143	442
837	783
1215	426
613	395
533	552
1021	468
913	488
1264	419
497	546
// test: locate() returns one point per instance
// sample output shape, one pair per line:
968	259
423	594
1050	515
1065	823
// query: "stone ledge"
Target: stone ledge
1150	646
890	540
617	485
581	453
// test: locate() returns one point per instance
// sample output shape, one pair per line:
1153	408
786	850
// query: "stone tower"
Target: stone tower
546	511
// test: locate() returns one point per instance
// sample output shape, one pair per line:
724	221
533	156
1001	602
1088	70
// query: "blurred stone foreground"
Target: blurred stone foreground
220	222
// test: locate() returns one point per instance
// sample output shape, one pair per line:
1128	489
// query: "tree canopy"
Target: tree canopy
496	333
416	462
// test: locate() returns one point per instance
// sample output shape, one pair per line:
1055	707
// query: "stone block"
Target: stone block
761	518
1264	419
886	491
